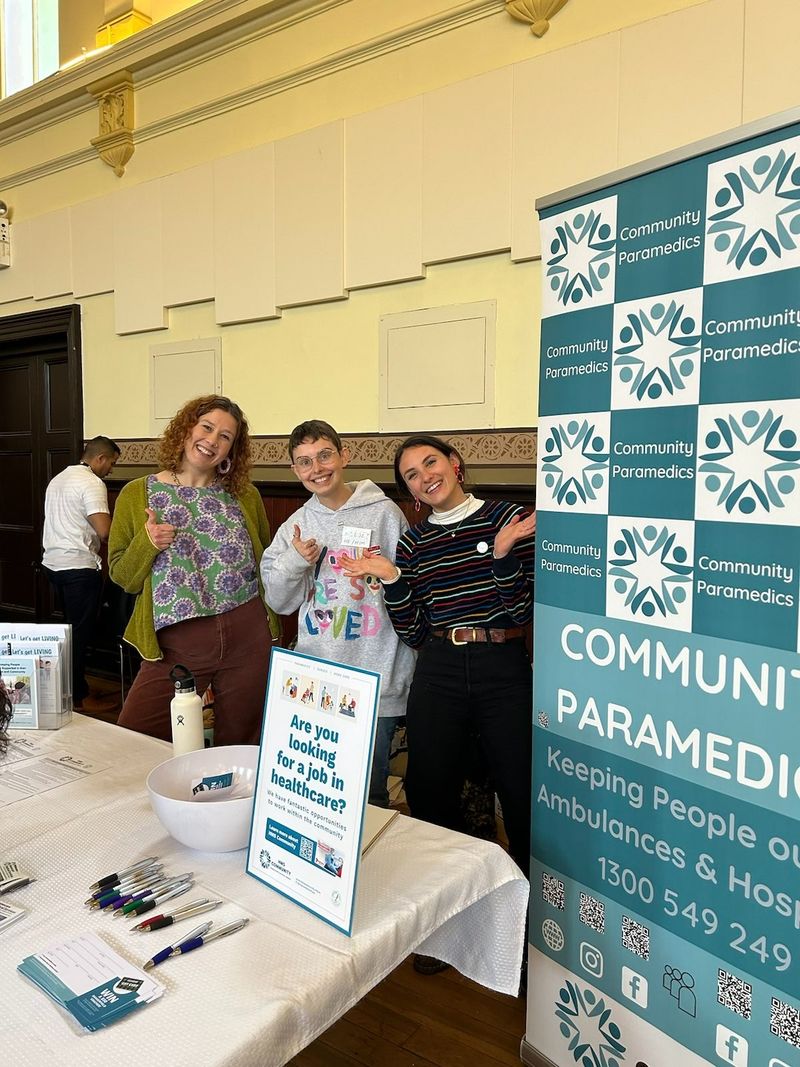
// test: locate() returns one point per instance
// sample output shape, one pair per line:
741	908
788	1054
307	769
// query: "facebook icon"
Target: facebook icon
634	987
731	1047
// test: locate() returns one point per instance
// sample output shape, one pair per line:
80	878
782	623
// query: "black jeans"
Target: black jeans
79	592
486	690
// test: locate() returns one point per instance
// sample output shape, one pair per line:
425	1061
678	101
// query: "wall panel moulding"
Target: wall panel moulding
536	13
488	449
114	142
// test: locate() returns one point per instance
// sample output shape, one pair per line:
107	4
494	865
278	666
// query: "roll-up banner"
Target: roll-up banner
665	916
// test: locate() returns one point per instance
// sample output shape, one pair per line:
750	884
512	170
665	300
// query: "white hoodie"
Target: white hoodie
339	618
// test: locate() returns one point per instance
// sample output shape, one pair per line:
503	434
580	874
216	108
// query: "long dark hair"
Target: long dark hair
423	440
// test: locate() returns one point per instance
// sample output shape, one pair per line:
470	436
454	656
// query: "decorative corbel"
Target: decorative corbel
536	13
114	96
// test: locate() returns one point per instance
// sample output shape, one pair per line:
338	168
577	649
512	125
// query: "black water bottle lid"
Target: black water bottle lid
184	682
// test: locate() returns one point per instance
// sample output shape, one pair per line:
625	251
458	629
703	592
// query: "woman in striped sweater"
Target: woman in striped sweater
461	593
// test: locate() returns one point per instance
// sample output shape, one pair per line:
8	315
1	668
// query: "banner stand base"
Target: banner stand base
531	1057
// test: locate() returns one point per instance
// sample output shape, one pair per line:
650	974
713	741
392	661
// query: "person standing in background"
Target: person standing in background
76	523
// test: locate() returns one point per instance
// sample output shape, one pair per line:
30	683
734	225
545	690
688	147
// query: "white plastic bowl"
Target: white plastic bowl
210	824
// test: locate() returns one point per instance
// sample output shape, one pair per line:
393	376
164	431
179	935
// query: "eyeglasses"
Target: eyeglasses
304	463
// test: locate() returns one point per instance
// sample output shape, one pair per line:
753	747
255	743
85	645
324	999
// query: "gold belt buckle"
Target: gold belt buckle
453	635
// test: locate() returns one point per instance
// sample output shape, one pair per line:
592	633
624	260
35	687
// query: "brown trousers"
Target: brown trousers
230	652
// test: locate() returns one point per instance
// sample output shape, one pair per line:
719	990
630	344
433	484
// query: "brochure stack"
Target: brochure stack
36	674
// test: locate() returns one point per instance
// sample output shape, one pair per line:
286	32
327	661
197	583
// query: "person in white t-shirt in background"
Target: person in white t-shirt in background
76	523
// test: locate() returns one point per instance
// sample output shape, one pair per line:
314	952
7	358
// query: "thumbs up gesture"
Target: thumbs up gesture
161	534
309	550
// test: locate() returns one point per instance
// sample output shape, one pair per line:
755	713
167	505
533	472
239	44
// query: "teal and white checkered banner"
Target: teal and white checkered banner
666	800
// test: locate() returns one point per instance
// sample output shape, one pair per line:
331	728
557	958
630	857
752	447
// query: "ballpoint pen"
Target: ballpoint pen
147	874
126	907
188	911
320	561
128	879
139	907
131	898
15	883
109	879
159	878
129	890
165	953
112	903
198	942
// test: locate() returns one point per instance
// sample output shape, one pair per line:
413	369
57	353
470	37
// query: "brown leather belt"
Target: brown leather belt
464	635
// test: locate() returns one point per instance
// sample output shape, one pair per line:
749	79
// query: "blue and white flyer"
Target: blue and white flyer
311	788
18	685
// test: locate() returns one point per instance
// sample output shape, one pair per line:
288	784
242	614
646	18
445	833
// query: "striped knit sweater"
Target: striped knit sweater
446	581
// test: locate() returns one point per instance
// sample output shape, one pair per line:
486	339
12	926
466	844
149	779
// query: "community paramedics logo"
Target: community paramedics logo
575	462
650	573
750	464
656	354
582	253
585	1021
754	212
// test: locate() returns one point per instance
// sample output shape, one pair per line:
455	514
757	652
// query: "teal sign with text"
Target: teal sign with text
666	789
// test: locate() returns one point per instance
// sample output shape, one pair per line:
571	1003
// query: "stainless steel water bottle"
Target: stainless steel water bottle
186	712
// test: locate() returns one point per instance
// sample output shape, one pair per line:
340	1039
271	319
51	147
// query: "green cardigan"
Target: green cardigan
131	555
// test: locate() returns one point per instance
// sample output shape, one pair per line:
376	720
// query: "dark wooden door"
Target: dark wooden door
41	432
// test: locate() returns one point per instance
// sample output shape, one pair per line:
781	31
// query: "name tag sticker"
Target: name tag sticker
356	537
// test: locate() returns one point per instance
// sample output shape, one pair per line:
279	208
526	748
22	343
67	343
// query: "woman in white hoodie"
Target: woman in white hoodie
340	618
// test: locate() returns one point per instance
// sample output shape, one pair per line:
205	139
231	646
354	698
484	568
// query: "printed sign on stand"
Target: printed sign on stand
311	788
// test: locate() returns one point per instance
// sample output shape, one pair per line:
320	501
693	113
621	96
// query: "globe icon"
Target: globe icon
553	935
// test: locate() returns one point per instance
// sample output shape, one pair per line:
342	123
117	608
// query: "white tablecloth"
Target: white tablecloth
258	997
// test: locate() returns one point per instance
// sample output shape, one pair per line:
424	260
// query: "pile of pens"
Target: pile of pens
138	889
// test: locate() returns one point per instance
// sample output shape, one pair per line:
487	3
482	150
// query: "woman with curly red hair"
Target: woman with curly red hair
188	542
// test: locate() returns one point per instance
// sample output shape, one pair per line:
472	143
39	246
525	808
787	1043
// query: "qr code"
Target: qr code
784	1022
307	849
734	993
553	891
592	912
636	937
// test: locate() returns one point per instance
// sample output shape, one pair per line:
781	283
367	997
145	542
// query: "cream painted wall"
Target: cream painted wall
332	349
79	20
319	361
464	51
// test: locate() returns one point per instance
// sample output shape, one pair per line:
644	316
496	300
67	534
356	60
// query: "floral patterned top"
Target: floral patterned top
209	568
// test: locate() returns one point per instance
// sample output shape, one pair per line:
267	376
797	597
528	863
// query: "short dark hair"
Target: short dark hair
100	446
313	430
423	440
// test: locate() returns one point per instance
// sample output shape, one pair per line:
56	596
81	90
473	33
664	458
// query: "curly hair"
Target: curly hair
170	453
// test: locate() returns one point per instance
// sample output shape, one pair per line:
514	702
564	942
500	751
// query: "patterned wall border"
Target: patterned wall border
484	448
